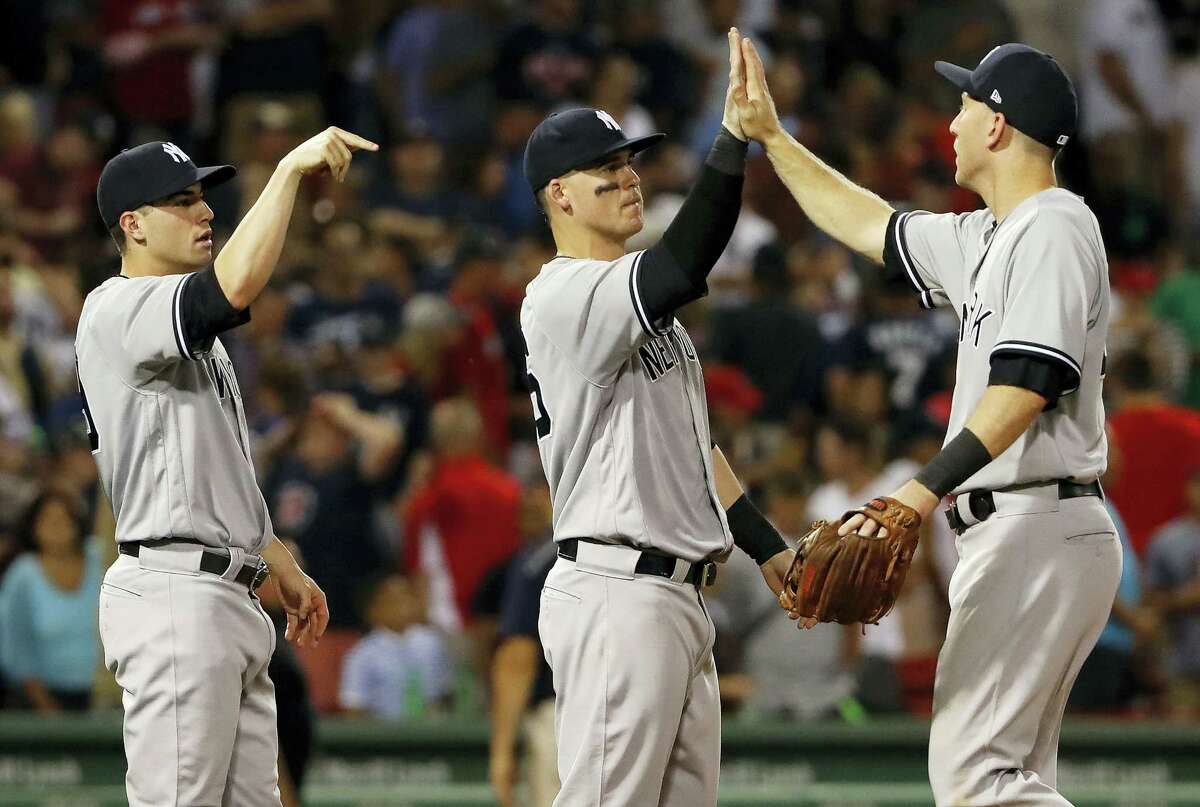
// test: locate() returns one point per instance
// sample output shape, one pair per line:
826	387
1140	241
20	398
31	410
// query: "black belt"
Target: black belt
210	561
981	504
701	573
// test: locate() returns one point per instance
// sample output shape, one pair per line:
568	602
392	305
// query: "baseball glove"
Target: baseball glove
852	579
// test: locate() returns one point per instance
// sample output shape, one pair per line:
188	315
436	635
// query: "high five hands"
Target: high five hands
749	108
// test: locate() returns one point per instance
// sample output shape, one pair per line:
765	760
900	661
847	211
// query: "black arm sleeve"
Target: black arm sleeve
1046	377
205	311
675	270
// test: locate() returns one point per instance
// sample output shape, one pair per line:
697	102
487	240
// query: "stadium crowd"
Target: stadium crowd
383	371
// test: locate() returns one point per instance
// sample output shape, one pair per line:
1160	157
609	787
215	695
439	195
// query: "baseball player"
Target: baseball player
182	630
1039	557
643	502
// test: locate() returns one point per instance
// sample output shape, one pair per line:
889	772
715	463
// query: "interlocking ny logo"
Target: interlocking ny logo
177	154
608	120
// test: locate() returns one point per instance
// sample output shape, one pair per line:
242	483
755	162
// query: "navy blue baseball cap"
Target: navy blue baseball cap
150	172
1027	86
574	138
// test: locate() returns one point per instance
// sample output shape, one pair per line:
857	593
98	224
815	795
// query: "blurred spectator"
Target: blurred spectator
149	46
1147	430
897	336
295	717
476	363
276	50
522	683
53	178
548	58
668	83
1126	92
867	32
765	663
418	204
322	493
459	514
850	459
1176	301
1173	579
23	393
436	61
1106	680
1134	324
332	316
776	342
401	669
618	79
48	637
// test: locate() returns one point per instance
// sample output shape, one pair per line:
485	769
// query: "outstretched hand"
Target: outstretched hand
331	149
737	84
751	97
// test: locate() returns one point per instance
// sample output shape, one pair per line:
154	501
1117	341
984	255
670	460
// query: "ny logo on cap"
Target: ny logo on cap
608	120
176	153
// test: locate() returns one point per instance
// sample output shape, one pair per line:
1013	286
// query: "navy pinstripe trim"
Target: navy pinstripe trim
636	296
1034	349
914	277
177	321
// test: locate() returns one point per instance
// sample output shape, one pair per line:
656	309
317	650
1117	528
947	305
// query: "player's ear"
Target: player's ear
998	130
133	224
556	195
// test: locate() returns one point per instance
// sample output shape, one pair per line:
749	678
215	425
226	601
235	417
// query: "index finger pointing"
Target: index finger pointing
354	141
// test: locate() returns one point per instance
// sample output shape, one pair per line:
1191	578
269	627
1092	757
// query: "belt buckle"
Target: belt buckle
708	575
260	574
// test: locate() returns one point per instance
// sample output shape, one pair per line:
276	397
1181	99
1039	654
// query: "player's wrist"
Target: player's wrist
752	533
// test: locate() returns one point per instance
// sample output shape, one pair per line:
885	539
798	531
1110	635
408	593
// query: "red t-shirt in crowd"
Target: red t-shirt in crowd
156	88
1159	447
473	508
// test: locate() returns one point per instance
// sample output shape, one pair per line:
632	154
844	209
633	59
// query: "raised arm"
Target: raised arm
675	270
248	259
853	215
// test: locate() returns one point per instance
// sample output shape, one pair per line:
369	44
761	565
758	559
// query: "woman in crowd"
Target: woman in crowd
48	641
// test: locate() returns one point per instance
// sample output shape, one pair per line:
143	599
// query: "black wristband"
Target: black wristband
728	154
954	464
751	531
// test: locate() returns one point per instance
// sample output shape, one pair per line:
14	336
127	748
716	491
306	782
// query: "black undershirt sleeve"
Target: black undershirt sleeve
674	271
205	311
1046	377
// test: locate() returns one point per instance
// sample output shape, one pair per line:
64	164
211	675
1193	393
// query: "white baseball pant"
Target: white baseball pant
637	711
1032	590
190	650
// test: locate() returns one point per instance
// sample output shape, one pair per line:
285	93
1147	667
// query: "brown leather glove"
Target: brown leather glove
852	579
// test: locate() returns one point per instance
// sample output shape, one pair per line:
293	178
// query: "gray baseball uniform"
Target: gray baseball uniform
623	433
189	648
1036	580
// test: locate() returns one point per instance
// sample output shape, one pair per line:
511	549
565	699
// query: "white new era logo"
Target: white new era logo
176	153
995	96
608	120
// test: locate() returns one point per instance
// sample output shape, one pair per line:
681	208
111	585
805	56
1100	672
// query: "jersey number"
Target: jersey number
541	418
93	436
